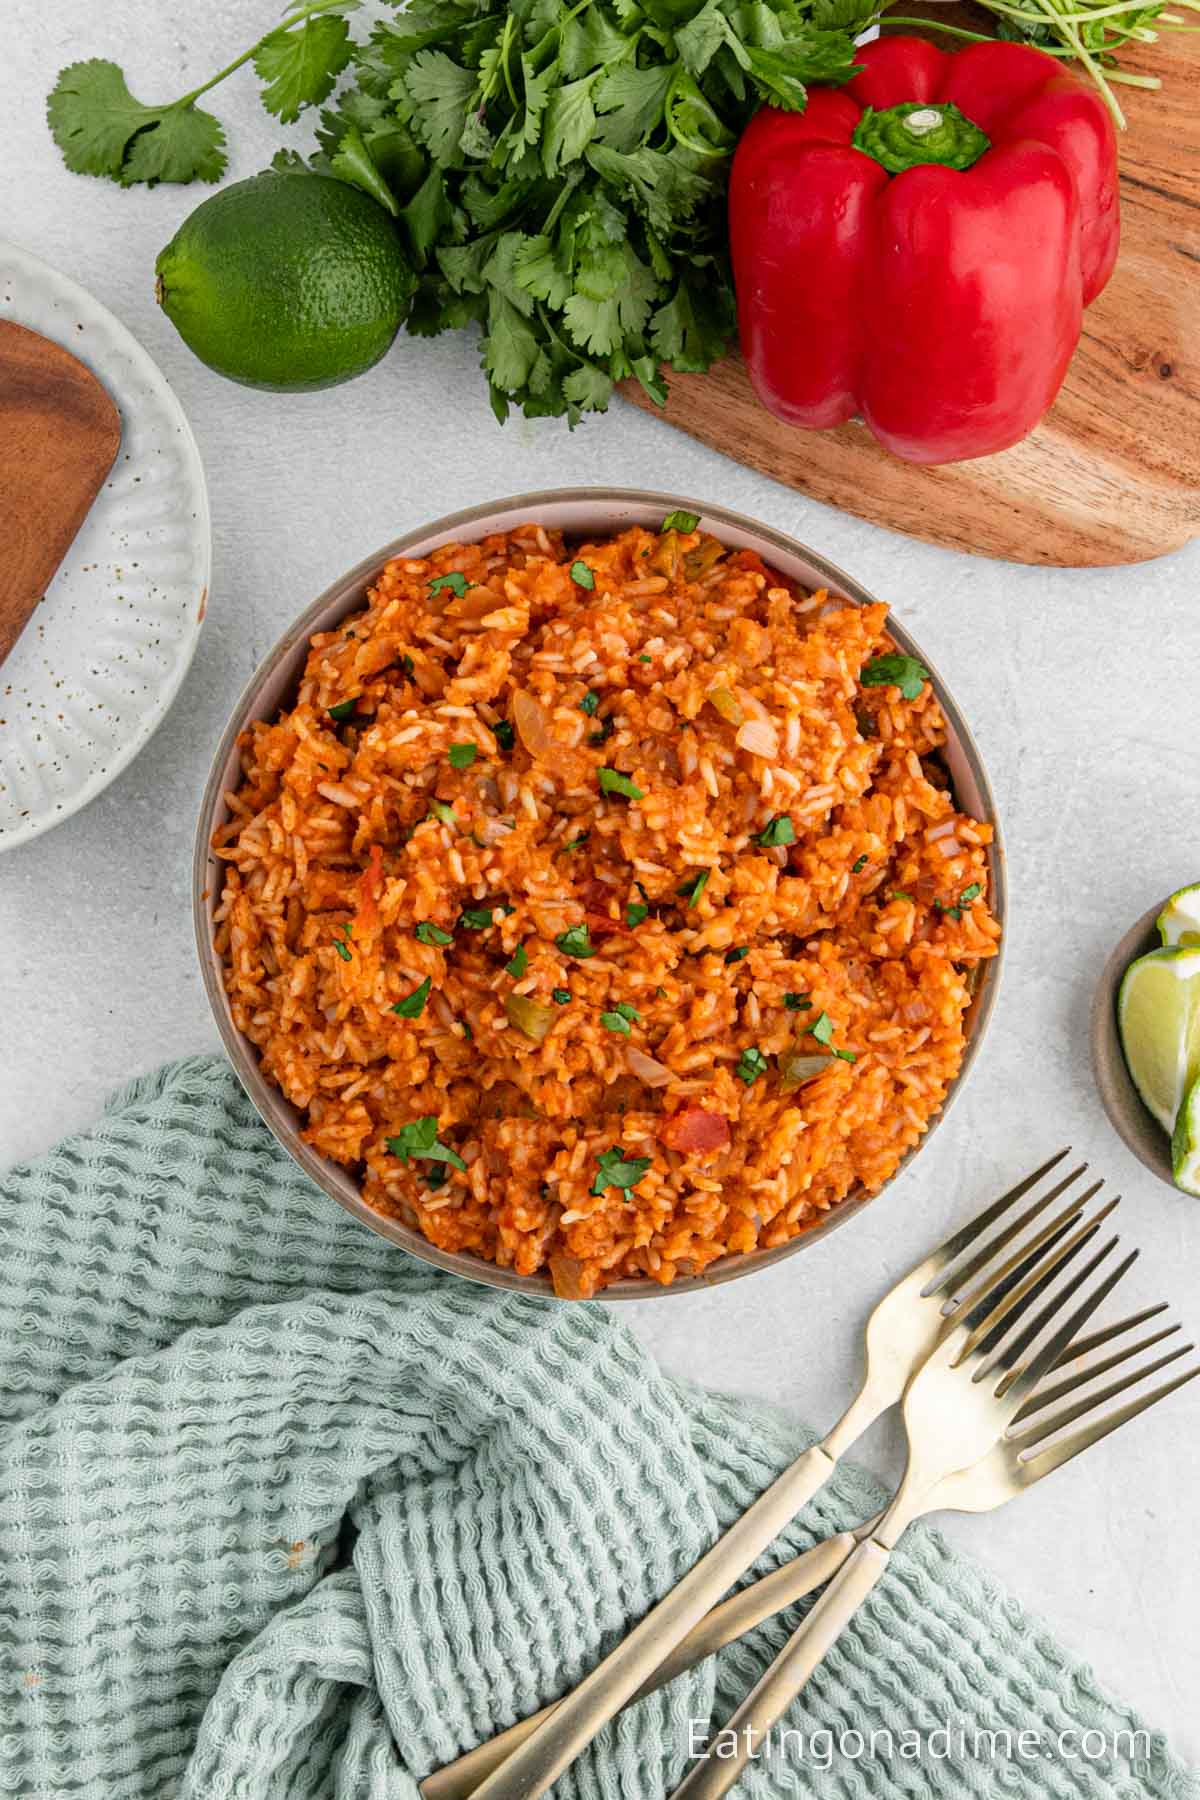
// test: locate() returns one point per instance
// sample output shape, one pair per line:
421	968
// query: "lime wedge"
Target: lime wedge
1158	1017
1185	1142
1179	920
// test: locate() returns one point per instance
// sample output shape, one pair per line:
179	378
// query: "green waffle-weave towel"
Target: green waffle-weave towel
284	1513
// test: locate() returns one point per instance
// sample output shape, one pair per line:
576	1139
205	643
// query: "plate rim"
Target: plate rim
81	297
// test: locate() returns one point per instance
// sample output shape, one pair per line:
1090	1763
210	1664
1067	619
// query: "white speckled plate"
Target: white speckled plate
99	663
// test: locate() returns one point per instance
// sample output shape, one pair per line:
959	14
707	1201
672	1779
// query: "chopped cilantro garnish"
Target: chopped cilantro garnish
846	1055
456	580
680	521
477	918
694	886
518	963
618	1170
589	703
504	734
342	944
577	843
419	1138
468	1033
859	866
413	1005
735	956
776	832
620	1018
635	912
444	814
797	1002
751	1064
406	666
896	670
462	755
899	894
345	709
970	893
645	658
429	933
613	782
575	942
560	996
963	904
581	575
822	1028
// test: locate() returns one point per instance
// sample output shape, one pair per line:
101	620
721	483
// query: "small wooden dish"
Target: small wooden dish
1134	1124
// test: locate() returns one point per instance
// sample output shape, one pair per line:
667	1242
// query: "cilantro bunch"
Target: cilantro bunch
557	168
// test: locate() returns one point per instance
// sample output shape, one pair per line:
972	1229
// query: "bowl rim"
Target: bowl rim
269	1101
1126	1111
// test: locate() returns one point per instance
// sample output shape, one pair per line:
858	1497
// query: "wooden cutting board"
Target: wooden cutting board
1112	474
59	433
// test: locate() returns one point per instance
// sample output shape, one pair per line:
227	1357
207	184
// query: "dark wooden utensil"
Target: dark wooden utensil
59	433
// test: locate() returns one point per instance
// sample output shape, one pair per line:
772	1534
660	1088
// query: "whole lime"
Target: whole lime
287	281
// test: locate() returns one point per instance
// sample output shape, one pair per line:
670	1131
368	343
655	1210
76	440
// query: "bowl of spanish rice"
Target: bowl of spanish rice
599	893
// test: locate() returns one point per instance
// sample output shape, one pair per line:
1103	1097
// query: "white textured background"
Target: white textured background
1081	689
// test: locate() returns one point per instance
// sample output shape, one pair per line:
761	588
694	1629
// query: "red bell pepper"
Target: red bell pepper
917	247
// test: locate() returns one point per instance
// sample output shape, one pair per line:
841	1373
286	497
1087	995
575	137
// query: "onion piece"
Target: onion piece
760	738
529	1016
654	1074
799	1066
532	723
726	702
942	829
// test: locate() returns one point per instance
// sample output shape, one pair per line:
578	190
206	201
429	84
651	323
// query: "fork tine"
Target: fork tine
958	1241
1044	1462
989	1319
1047	1427
959	1279
1085	1345
1015	1347
1047	1395
1019	1383
1012	1275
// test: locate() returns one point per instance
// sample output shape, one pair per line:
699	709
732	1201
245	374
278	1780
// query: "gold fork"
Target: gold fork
904	1328
751	1606
966	1450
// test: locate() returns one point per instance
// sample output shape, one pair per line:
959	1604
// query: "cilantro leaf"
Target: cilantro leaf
98	125
591	700
504	734
618	1170
582	576
694	886
354	163
413	1005
736	955
456	581
517	963
750	1065
576	941
429	933
301	67
797	1002
462	755
680	521
560	996
822	1028
896	670
612	782
777	832
435	92
569	124
635	912
419	1139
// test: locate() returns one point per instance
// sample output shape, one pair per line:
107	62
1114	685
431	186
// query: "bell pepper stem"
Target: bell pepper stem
914	133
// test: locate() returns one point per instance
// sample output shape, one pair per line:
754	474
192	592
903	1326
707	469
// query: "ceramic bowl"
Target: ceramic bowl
1134	1124
579	513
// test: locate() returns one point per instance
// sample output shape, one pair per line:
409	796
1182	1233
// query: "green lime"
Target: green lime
286	281
1179	920
1158	1017
1185	1142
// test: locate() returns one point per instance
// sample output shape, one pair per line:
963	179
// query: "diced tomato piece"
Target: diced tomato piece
599	924
693	1128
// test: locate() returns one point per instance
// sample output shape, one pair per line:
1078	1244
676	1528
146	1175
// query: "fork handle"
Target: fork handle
766	1703
740	1613
574	1722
